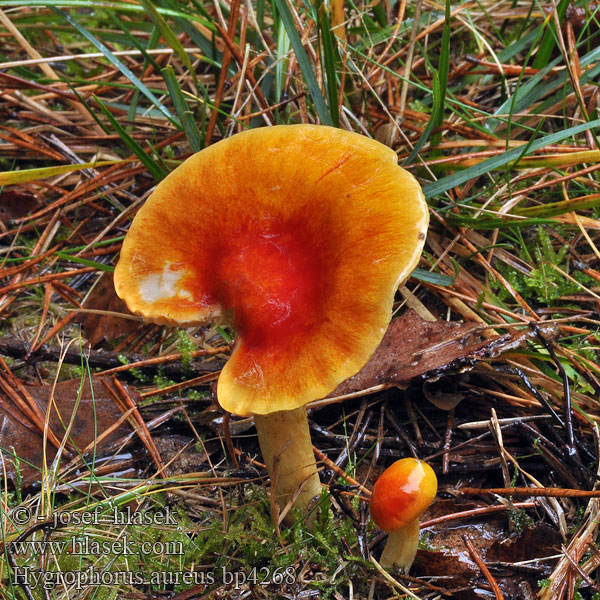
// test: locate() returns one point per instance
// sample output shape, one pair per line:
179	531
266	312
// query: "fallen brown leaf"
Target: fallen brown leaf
414	348
14	205
95	413
97	327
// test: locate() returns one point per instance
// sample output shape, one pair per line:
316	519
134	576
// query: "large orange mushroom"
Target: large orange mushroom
298	235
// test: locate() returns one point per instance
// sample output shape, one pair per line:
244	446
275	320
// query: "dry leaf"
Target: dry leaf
14	205
94	412
96	327
498	549
413	348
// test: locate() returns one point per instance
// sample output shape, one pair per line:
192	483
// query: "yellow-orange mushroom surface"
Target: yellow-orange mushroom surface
297	234
402	492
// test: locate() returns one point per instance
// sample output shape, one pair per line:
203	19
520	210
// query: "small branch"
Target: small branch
544	492
476	512
171	364
483	568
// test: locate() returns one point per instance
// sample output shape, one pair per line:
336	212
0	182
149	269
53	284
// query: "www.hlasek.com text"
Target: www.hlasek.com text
78	545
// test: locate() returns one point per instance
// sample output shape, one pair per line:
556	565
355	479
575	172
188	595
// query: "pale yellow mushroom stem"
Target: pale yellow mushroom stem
285	443
401	547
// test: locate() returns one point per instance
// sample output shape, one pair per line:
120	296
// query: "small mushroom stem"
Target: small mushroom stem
401	547
286	447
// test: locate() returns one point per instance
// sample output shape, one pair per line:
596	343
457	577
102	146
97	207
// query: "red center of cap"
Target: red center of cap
273	283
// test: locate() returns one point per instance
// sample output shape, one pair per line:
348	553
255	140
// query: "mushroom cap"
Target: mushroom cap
297	234
402	492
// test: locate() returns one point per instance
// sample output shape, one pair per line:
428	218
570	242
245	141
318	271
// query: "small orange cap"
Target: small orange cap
402	492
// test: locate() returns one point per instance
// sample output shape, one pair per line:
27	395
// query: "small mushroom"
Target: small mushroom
402	492
297	235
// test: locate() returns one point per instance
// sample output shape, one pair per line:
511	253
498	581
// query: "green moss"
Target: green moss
520	520
543	285
160	380
135	372
185	345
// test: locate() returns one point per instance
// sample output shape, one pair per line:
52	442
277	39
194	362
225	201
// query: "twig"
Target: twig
476	512
571	448
231	26
482	566
544	492
171	365
125	402
339	471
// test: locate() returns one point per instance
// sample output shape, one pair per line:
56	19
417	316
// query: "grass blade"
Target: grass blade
14	177
435	278
167	33
440	83
182	109
329	57
539	162
524	96
549	39
487	224
304	62
560	208
85	262
116	62
438	106
447	183
157	171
